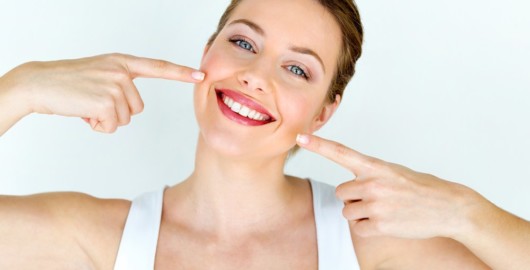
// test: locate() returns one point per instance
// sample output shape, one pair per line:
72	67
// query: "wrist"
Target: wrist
476	214
11	108
12	96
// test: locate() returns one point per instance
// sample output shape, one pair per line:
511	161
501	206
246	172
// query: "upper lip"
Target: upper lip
245	101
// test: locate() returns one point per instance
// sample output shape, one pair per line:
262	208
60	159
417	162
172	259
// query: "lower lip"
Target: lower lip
236	117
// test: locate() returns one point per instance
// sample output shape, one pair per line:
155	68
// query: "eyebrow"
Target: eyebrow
301	50
307	51
250	24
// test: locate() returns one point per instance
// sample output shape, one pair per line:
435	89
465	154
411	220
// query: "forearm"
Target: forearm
498	238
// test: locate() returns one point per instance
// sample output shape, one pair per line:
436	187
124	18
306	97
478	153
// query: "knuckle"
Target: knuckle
160	65
108	58
347	212
343	191
107	126
125	120
373	163
141	106
107	112
107	104
401	178
111	129
120	75
113	56
372	187
339	191
115	92
341	150
137	108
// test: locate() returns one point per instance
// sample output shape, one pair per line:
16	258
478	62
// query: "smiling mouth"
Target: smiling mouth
241	109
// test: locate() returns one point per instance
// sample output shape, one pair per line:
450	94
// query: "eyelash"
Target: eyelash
303	73
238	40
294	69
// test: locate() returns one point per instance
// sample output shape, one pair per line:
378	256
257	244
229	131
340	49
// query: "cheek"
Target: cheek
217	64
217	67
298	112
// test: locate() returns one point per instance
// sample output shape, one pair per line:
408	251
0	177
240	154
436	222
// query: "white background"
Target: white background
443	87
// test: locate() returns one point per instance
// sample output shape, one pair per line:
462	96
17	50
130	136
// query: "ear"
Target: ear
204	53
325	114
206	49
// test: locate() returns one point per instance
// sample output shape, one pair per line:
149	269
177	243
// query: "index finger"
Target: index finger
156	68
339	153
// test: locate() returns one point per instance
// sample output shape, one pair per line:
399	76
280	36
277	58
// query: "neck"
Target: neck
228	195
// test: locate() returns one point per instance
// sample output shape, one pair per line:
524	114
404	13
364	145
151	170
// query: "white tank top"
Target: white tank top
139	240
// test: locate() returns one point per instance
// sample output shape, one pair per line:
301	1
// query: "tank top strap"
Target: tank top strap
335	247
138	244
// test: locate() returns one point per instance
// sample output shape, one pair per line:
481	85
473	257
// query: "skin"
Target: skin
99	89
237	163
72	230
419	221
230	212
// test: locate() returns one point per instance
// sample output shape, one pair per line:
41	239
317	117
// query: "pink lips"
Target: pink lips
245	101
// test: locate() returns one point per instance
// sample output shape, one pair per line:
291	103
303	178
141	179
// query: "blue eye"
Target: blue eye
298	71
245	45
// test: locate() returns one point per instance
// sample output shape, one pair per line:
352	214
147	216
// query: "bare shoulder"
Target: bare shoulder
82	228
394	253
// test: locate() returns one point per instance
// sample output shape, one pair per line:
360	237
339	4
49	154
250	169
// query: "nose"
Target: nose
256	77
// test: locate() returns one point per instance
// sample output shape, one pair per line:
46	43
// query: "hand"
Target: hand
98	89
387	199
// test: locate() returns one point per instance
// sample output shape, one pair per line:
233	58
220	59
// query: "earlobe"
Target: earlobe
325	114
206	49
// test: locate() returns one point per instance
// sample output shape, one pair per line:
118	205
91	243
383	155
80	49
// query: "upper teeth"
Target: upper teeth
243	110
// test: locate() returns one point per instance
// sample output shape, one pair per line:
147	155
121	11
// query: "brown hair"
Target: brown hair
347	16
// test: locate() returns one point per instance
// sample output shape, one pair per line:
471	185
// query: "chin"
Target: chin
233	145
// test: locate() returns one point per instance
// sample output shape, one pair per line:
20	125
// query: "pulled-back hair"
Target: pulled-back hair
347	16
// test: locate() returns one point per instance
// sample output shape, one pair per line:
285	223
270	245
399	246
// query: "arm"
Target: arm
60	231
498	238
99	89
380	252
392	201
72	231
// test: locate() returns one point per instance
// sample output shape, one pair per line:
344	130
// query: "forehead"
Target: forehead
300	23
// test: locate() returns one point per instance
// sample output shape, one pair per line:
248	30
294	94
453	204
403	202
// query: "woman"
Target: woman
267	81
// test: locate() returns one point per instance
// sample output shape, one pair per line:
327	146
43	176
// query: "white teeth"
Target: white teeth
236	107
243	110
228	101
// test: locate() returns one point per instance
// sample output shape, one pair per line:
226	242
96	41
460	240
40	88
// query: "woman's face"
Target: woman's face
268	73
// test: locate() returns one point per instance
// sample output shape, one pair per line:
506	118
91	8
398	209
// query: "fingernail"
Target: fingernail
197	75
302	139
